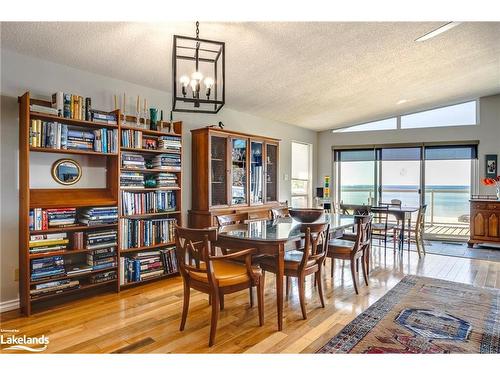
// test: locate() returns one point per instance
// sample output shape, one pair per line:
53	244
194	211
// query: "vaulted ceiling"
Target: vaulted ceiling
312	74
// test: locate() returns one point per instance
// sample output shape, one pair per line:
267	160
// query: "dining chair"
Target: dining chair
215	275
344	249
302	262
381	226
238	218
418	231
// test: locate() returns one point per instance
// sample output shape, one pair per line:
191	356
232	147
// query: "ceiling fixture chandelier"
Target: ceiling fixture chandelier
198	73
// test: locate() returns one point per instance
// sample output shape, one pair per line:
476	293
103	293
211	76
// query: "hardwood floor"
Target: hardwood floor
146	319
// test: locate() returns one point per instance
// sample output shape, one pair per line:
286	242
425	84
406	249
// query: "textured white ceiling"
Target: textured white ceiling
315	75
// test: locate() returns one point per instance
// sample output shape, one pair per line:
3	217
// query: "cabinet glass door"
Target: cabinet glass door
256	173
218	146
239	171
271	172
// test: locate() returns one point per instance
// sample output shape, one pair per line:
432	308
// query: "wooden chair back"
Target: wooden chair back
354	209
229	219
194	246
420	224
363	225
316	240
380	214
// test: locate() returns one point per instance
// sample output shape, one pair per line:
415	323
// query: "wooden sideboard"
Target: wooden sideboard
232	172
484	221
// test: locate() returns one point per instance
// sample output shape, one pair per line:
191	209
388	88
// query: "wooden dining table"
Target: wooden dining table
273	237
401	214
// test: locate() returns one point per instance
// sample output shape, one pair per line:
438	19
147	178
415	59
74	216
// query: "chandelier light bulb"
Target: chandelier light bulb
184	80
209	83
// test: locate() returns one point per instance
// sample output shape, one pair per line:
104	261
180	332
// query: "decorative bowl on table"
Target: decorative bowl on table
306	215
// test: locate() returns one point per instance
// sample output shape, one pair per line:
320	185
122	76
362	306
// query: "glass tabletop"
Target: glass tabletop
283	229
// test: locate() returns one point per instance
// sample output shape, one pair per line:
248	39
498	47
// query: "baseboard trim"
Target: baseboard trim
13	304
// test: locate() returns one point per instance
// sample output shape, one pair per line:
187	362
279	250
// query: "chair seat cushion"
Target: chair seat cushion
382	227
292	260
339	242
227	273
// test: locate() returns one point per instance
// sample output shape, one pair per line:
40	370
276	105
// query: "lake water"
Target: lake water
449	204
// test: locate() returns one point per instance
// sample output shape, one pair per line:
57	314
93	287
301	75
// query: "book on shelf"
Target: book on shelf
78	242
44	109
102	258
103	117
43	243
71	106
102	277
131	179
101	239
133	161
167	161
166	179
54	287
169	143
147	265
47	267
98	215
43	219
131	139
78	269
137	203
54	135
146	232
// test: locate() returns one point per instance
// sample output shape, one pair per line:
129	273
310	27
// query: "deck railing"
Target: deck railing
432	194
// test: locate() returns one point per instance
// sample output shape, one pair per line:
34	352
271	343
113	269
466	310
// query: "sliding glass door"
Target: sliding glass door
448	177
437	175
400	170
356	176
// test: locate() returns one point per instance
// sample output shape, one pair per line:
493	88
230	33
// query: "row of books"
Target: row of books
133	161
102	258
43	243
146	232
43	219
132	138
101	239
47	267
132	179
59	136
167	161
98	215
136	203
166	179
54	287
147	265
71	106
169	143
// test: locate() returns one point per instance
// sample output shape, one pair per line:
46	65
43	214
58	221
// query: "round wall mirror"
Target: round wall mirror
66	171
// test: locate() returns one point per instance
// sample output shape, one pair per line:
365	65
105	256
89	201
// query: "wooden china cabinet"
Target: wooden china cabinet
232	172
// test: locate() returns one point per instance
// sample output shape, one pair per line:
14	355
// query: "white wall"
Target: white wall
21	73
487	132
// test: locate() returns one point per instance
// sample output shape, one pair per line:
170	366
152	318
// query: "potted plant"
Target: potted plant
493	181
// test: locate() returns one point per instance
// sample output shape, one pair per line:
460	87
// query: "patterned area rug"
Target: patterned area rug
424	315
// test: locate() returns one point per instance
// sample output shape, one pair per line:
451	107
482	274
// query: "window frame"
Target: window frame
308	194
401	115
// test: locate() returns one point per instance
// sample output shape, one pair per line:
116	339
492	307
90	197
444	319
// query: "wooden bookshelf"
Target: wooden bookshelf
110	195
147	153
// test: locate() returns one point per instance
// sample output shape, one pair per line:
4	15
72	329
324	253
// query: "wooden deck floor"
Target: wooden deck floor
447	230
146	319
